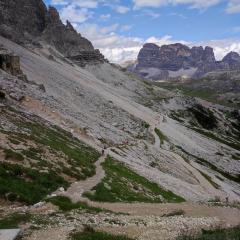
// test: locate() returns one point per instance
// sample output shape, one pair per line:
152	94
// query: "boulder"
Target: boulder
9	234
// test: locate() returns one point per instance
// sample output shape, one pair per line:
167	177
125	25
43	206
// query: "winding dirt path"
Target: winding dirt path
76	190
228	216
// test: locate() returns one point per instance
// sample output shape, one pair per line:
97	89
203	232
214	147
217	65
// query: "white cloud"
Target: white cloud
233	6
201	4
125	28
104	17
151	13
79	3
178	15
115	47
121	9
59	2
165	40
75	14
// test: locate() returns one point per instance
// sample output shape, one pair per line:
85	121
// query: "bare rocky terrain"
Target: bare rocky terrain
171	162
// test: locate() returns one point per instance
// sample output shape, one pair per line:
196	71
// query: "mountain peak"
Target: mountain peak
53	16
35	23
232	56
178	59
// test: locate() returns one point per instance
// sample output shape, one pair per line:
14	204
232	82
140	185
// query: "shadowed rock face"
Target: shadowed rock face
20	20
64	38
29	21
178	57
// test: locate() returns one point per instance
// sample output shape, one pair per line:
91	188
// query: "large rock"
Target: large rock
9	234
30	22
176	60
10	63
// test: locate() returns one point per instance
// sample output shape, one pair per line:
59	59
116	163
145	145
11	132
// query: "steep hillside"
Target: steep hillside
85	144
112	114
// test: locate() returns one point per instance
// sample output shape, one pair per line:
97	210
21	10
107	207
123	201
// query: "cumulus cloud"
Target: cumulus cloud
115	47
59	2
75	14
201	4
79	3
165	40
233	6
125	28
151	14
121	9
104	17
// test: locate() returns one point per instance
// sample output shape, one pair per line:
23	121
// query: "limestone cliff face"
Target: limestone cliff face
30	22
174	57
64	38
178	60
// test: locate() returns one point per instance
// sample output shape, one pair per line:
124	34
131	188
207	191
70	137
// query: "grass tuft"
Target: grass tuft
27	185
90	234
13	221
161	136
12	155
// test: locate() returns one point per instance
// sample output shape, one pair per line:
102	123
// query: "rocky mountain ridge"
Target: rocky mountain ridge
174	60
35	24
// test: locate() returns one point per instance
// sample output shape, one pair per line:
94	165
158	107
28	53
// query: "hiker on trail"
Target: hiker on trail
103	151
227	199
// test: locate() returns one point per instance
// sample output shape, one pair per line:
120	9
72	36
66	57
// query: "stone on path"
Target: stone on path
9	234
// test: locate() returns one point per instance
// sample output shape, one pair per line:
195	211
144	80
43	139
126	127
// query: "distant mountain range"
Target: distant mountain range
178	60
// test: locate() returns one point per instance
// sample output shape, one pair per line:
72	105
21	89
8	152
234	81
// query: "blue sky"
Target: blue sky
120	27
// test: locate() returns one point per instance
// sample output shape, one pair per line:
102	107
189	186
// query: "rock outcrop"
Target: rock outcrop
64	38
10	63
176	60
232	60
31	22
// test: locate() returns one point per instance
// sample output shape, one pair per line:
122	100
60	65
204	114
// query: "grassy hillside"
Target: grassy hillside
38	158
